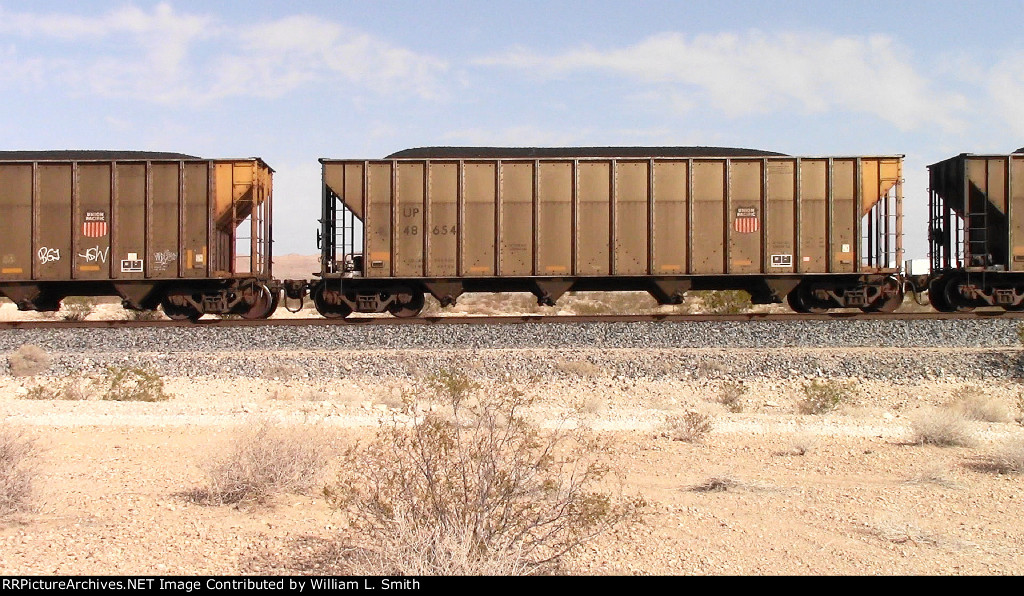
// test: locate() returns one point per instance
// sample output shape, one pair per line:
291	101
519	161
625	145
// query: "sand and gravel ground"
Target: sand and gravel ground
845	492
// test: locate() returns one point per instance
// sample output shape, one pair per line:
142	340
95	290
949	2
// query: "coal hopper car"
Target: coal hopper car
976	232
819	232
186	234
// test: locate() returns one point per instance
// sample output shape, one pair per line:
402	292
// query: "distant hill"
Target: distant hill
288	266
296	266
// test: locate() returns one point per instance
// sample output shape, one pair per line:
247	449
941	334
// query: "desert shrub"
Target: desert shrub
451	386
1008	458
17	470
76	308
28	360
129	383
265	459
724	302
143	315
280	371
690	426
711	369
472	488
590	307
717	484
822	396
611	303
940	426
898	531
116	384
730	395
504	303
728	482
68	389
934	476
579	368
592	406
431	307
975	405
298	394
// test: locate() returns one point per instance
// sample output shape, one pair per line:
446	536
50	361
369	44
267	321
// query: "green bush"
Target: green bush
143	315
67	389
822	396
77	308
724	302
128	383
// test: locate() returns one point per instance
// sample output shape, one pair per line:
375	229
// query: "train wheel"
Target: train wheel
937	296
944	295
264	306
1015	307
180	313
326	309
802	301
954	298
889	303
794	302
408	303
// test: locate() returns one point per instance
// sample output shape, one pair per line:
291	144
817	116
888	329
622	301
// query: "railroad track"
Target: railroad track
513	319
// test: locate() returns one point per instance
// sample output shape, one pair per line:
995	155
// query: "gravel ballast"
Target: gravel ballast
887	350
981	333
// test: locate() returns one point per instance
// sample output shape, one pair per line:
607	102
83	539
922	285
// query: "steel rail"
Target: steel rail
512	319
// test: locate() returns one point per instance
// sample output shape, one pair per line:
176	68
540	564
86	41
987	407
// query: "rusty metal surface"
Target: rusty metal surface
552	215
985	194
103	215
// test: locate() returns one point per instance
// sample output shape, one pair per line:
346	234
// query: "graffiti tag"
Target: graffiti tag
165	257
48	255
95	254
162	259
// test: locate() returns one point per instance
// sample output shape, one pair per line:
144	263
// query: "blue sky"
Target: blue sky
293	82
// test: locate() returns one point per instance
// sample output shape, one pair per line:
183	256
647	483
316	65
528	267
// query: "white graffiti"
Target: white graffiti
161	260
48	255
167	256
95	254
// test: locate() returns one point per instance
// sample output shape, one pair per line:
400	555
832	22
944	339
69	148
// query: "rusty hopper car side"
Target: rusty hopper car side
823	232
976	232
156	229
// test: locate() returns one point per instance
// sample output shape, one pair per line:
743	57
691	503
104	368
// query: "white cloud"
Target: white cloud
1006	87
755	72
169	57
279	56
71	27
